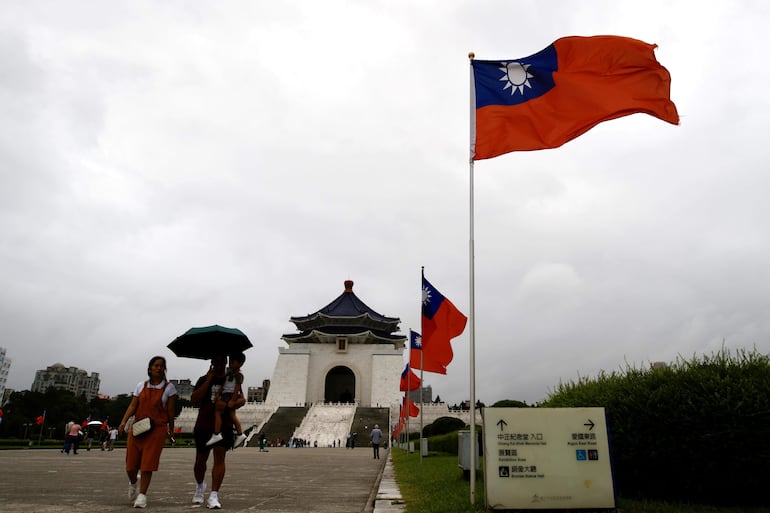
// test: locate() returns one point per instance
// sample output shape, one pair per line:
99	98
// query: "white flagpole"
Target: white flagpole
472	285
422	364
406	408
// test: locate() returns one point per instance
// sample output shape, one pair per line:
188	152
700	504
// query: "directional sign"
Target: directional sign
547	458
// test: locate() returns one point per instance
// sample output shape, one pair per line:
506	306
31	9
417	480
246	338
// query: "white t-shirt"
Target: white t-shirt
168	392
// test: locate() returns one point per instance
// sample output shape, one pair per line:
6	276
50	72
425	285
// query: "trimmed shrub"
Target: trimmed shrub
442	426
696	431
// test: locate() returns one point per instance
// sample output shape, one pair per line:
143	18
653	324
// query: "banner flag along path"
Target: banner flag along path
441	322
409	380
410	409
544	100
417	358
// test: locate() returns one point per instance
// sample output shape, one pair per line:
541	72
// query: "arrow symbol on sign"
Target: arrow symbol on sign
590	424
502	424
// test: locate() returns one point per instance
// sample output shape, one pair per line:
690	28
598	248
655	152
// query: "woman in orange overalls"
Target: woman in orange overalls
154	398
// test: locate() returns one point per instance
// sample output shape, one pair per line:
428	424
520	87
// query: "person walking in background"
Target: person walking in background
73	438
154	398
262	442
376	436
113	437
203	396
232	389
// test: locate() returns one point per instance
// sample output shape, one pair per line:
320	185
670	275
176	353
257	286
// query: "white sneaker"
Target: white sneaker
132	487
213	502
216	437
239	439
141	501
199	491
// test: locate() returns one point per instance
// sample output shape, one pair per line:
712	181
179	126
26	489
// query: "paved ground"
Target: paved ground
281	480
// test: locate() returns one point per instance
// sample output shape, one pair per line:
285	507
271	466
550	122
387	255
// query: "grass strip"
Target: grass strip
436	485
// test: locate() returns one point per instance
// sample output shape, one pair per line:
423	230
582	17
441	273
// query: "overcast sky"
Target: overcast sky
174	164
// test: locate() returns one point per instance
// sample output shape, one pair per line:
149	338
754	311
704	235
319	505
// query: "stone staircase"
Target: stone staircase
281	424
364	422
326	424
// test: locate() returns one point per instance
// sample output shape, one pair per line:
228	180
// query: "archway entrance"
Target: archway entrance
340	385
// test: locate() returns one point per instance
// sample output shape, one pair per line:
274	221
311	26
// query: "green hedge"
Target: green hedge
442	426
697	430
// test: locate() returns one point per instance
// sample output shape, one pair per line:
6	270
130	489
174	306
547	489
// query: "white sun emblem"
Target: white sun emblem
516	77
425	295
418	341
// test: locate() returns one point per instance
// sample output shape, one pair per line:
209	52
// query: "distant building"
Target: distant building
70	379
426	393
5	367
346	352
184	388
258	394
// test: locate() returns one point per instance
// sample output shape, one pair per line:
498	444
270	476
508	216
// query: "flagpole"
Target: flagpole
406	406
472	291
422	364
42	426
422	361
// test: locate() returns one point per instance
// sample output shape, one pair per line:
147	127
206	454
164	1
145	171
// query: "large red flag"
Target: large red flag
409	380
544	100
441	322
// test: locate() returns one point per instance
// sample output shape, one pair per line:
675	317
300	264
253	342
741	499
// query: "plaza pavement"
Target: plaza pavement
281	480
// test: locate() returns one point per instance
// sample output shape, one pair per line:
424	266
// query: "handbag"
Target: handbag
141	426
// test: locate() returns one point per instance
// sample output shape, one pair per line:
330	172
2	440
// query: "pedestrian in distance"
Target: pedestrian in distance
73	438
113	436
376	436
154	398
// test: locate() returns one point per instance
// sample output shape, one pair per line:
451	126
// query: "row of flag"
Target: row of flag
432	351
538	102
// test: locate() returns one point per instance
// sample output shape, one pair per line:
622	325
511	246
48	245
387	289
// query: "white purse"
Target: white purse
141	426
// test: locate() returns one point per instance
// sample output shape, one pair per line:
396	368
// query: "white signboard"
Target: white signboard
547	458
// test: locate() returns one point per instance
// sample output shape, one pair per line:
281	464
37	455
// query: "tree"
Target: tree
510	403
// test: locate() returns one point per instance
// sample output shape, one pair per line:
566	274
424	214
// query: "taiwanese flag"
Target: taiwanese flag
417	359
544	100
40	419
409	408
441	322
401	425
409	380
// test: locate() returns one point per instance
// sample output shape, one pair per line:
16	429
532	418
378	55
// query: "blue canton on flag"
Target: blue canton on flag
516	81
415	340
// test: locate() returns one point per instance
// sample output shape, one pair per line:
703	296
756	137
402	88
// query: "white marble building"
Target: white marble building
344	353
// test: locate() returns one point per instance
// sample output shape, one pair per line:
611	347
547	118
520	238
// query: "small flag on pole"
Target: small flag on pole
40	419
409	408
409	380
441	322
544	100
417	360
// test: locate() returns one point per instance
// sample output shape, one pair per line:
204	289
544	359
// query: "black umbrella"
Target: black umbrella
210	341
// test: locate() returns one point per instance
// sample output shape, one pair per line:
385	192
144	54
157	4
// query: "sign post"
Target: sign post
547	458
